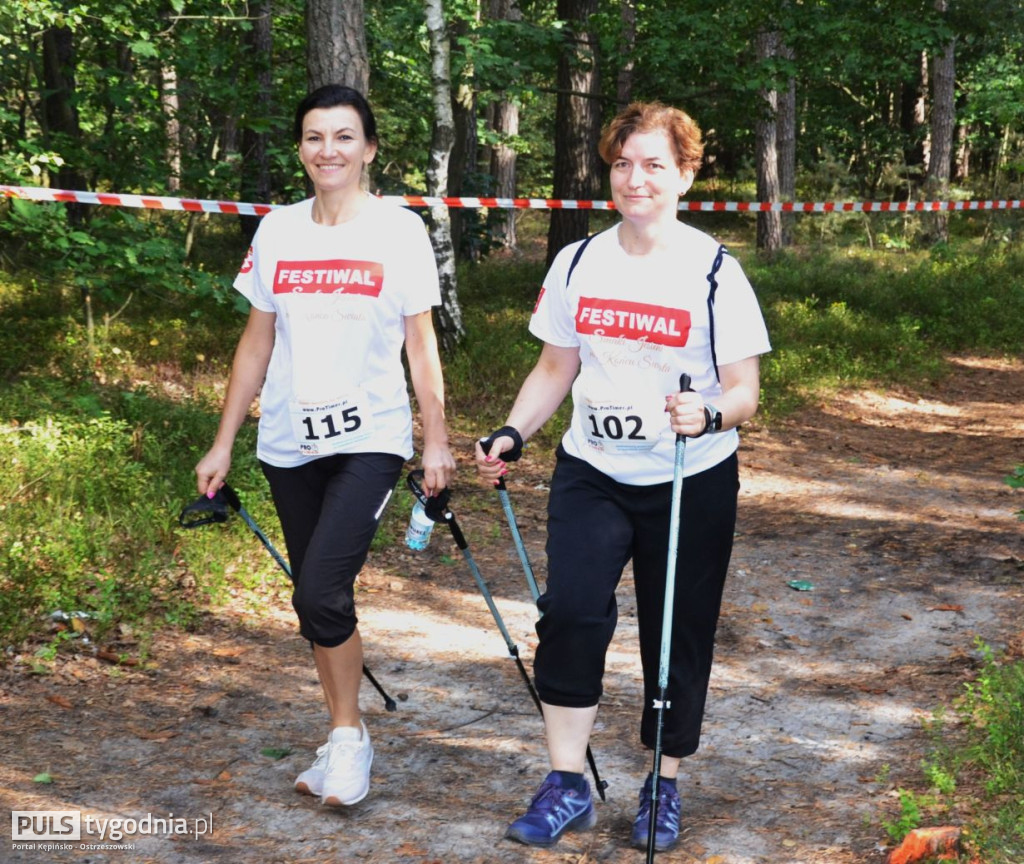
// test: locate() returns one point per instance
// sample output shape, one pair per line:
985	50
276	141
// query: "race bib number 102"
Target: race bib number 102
616	427
334	426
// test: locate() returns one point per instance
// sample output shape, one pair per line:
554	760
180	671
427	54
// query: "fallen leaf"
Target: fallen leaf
946	607
59	700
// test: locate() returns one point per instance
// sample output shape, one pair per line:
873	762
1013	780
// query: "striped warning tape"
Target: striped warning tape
197	205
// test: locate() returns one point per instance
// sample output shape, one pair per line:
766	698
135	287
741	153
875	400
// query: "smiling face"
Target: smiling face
334	149
645	179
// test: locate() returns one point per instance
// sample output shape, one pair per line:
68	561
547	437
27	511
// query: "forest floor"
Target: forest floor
889	503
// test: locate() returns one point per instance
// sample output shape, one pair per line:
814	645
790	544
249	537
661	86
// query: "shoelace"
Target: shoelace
548	797
342	753
321	756
667	803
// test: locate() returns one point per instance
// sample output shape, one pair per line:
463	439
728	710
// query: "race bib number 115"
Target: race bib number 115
334	426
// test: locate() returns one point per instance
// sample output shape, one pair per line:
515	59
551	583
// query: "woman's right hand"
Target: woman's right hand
212	469
489	464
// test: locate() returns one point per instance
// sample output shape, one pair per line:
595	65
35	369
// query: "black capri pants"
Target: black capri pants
595	526
329	510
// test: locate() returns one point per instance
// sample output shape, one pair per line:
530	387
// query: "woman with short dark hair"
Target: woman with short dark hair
338	284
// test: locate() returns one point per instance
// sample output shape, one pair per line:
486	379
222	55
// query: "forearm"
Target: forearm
544	390
427	379
741	386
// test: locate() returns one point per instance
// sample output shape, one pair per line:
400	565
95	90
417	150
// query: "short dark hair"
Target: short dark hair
331	96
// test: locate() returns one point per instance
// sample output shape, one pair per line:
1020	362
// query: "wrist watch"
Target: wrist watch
712	419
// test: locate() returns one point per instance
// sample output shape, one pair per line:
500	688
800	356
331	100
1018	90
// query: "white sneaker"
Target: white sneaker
346	778
311	781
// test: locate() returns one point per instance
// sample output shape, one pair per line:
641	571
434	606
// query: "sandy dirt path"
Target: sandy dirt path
890	504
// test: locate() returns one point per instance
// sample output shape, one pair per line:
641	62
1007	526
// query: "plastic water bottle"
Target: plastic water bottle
417	535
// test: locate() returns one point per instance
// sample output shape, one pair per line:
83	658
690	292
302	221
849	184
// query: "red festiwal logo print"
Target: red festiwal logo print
625	319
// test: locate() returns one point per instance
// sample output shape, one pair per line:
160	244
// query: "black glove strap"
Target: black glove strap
707	424
505	432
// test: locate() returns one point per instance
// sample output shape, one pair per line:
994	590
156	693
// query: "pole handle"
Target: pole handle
684	386
435	506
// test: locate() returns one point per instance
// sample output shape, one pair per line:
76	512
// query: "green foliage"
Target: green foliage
838	319
976	765
908	818
98	450
499	351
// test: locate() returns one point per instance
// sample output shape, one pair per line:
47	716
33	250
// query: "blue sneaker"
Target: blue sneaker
553	811
666	831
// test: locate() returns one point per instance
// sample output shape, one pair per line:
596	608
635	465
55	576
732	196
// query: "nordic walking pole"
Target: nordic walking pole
218	513
674	529
513	525
517	538
437	509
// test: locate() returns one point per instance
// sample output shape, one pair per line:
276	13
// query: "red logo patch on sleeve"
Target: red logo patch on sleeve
540	297
247	263
340	276
623	319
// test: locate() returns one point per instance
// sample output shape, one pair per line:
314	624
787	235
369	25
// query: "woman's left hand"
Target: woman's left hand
686	413
438	468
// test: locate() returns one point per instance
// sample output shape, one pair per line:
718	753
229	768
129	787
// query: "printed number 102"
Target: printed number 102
613	427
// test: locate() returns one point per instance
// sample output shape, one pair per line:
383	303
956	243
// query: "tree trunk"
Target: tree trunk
336	44
462	167
503	155
63	134
450	314
769	223
943	121
785	132
912	120
624	80
60	118
255	174
577	124
963	153
169	103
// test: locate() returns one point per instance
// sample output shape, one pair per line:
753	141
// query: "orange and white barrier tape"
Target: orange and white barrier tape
196	205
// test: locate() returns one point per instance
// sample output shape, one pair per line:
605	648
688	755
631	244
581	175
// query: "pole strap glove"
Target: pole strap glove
505	432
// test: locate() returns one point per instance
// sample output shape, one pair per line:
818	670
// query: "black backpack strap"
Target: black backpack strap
576	258
713	281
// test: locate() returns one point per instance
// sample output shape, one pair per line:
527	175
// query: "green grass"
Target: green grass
99	432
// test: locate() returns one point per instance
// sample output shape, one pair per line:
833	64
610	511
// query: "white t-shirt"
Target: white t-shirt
335	383
639	323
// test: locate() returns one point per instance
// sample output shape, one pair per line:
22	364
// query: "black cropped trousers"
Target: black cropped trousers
596	525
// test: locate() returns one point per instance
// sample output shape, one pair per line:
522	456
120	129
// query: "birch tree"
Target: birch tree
442	139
